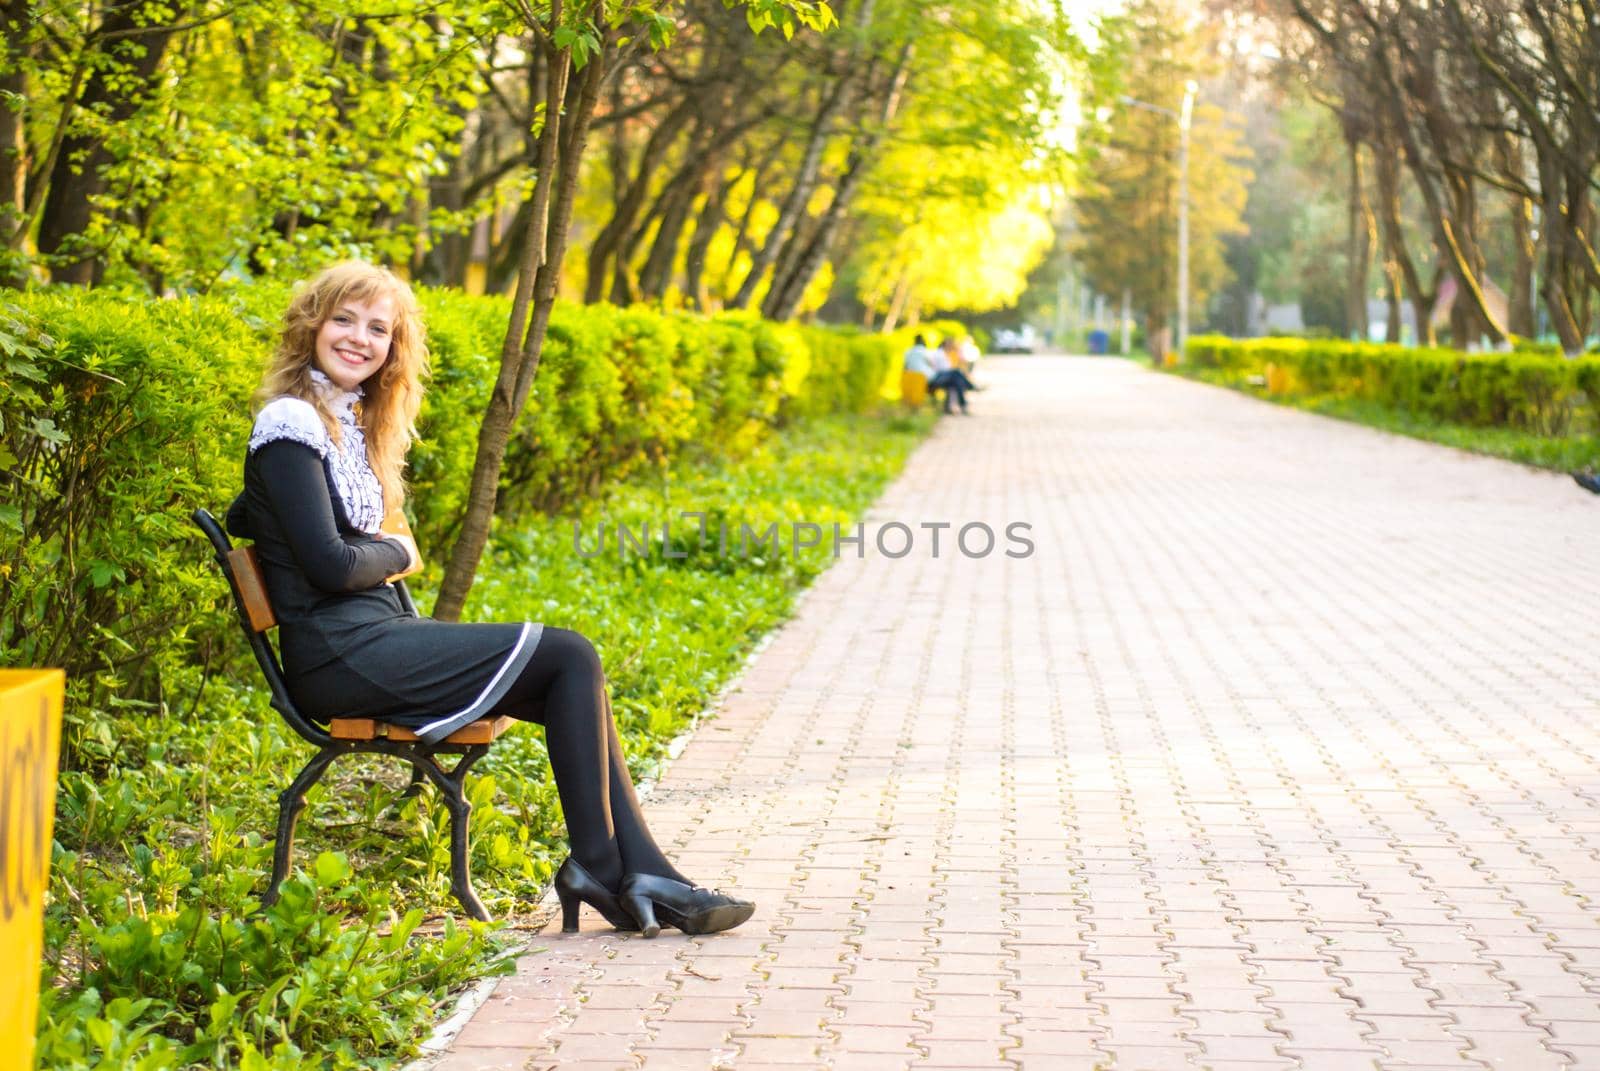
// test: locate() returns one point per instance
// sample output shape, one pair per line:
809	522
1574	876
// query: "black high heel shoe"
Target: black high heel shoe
575	885
688	907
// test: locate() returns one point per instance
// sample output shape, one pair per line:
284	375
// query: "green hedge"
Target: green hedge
1529	391
120	414
118	419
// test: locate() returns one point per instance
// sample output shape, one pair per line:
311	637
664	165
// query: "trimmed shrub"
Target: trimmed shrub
1528	390
125	415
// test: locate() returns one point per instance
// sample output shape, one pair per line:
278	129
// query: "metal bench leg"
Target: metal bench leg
450	784
290	803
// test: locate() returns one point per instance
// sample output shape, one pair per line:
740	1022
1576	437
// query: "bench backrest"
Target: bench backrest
251	588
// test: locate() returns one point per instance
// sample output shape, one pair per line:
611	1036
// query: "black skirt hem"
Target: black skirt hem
492	693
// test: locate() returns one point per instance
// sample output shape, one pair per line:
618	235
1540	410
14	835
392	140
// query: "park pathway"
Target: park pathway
1281	750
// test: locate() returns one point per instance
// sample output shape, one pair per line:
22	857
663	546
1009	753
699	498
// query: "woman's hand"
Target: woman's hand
395	527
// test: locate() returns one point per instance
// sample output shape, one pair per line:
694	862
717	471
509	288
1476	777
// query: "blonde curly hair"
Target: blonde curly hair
391	398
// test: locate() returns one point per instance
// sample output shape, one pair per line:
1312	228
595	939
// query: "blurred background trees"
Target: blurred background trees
707	154
1126	212
173	146
1403	169
1417	170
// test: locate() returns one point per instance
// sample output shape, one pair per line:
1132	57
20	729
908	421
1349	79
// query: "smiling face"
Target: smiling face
354	341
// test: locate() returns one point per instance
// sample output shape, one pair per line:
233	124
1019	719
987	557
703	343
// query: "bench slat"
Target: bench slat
482	731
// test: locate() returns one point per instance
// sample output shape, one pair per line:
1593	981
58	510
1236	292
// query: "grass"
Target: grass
158	952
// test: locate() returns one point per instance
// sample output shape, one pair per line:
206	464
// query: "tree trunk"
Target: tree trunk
1565	136
1358	247
741	234
656	275
1155	336
789	288
794	204
780	301
1519	315
834	103
705	229
14	162
1422	312
631	199
783	299
1387	171
1562	278
140	33
444	260
1416	91
1476	317
1392	328
897	302
505	262
561	145
1554	289
629	285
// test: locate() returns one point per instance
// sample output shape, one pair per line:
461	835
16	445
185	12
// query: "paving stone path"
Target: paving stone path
1281	750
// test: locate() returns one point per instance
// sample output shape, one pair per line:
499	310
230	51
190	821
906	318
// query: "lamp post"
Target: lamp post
1184	116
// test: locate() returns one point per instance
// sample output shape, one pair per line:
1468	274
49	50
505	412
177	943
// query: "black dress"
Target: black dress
349	649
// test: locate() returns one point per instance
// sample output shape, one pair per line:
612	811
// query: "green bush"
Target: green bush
1526	390
848	369
125	415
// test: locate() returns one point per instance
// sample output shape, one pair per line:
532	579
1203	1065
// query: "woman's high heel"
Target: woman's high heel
688	907
575	885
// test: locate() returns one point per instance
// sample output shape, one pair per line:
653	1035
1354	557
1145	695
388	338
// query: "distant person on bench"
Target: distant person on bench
955	355
936	367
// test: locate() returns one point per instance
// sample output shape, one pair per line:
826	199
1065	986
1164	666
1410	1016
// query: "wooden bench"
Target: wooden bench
913	388
350	736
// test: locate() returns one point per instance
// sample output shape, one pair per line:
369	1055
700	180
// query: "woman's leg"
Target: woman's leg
563	688
640	853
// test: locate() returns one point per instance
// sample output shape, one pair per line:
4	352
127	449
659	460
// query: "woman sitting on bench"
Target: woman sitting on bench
334	421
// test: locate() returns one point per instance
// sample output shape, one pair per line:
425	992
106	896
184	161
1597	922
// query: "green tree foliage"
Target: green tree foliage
576	49
173	145
176	147
954	252
768	176
957	212
261	140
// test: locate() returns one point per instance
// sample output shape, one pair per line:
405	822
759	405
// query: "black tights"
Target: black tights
563	688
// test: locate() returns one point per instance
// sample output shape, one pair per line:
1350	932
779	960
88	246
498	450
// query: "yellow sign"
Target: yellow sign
30	740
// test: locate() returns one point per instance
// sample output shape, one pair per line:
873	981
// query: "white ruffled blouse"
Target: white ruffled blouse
354	484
